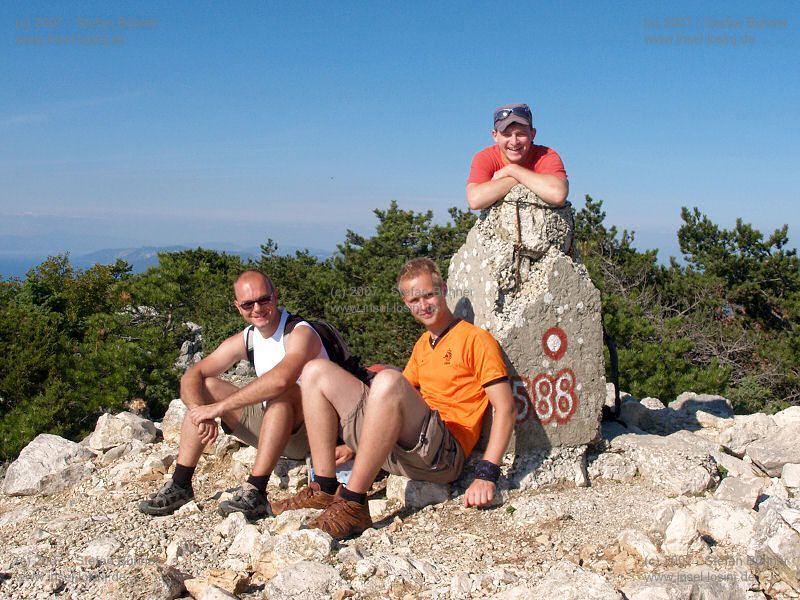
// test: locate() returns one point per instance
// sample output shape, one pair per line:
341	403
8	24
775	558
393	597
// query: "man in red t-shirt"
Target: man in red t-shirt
515	159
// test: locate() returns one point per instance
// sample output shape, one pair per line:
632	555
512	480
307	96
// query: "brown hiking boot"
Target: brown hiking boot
343	518
310	496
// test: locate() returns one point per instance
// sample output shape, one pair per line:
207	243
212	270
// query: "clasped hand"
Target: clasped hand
204	418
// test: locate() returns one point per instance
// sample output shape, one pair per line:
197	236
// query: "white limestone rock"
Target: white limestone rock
291	520
724	522
173	421
288	474
232	582
115	430
677	464
681	536
634	413
416	494
736	467
179	548
780	448
694	583
223	444
708	420
304	580
302	545
101	548
126	449
652	403
790	475
689	402
248	542
662	513
156	465
409	570
744	492
189	508
245	456
152	582
774	489
774	552
460	585
612	467
567	581
638	544
47	465
15	516
746	430
231	525
518	277
214	592
787	417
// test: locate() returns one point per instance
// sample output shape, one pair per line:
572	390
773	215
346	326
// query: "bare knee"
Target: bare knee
387	389
185	378
316	372
388	382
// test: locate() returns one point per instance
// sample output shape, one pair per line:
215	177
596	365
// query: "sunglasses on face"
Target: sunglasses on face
520	111
249	304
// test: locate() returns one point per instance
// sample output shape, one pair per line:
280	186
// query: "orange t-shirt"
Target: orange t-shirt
541	160
452	375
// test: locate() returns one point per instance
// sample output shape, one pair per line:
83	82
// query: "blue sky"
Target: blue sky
209	122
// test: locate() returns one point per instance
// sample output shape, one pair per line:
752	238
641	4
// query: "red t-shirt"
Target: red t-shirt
489	160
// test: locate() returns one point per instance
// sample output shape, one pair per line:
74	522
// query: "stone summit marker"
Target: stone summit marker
516	277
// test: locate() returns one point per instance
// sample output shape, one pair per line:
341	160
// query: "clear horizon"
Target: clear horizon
158	124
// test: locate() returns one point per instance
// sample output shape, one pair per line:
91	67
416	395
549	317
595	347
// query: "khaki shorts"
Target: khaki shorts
250	425
437	457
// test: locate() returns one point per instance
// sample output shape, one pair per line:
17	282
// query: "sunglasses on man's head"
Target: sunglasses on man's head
520	111
249	304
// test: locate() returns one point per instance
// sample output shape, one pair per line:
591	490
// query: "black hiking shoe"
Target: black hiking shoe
249	501
166	500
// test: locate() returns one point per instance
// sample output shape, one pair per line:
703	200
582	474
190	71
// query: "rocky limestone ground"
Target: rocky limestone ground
687	501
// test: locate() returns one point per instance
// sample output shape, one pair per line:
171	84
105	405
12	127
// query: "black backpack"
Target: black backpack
333	341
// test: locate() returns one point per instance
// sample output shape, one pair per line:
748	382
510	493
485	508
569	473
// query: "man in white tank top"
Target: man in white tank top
267	413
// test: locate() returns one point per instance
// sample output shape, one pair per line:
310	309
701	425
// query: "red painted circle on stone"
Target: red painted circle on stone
554	343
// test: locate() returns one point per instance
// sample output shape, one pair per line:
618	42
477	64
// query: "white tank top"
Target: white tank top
268	352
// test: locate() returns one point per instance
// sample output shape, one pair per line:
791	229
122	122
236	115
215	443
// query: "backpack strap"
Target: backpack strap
248	344
291	323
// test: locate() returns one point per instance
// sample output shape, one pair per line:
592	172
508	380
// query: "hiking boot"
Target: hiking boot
343	518
310	496
166	500
248	500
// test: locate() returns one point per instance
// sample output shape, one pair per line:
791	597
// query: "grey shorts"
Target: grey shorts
249	427
437	457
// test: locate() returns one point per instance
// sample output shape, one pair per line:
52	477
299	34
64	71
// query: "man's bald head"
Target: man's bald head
251	276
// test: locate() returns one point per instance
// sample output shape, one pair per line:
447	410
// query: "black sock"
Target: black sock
353	496
183	476
259	481
327	484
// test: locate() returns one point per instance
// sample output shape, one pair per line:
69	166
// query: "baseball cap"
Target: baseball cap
512	113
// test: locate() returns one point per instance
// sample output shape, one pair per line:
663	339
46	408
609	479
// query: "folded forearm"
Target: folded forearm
550	188
483	195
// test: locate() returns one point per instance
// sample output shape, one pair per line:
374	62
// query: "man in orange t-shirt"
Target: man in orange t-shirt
422	425
515	159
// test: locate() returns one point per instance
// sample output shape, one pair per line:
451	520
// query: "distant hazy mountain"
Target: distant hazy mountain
16	263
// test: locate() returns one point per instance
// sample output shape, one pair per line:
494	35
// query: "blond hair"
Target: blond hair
416	267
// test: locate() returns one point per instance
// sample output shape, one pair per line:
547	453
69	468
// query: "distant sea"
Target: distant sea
17	264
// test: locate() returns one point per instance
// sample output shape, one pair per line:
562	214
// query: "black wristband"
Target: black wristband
487	470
